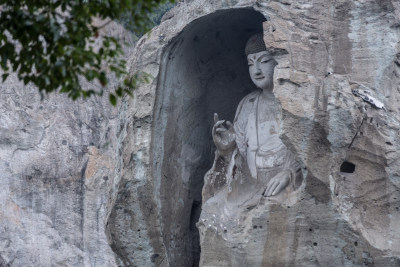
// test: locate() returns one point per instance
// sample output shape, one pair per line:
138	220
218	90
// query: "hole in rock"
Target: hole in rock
315	244
347	167
154	257
203	71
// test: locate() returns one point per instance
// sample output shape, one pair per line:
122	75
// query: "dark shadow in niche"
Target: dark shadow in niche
203	71
347	167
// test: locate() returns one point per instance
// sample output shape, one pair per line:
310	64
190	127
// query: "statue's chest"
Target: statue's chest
262	126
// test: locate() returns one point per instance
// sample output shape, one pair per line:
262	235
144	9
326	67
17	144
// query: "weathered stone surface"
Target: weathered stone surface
57	177
74	173
341	218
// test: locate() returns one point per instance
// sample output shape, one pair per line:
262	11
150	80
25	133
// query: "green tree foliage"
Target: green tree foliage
51	43
155	18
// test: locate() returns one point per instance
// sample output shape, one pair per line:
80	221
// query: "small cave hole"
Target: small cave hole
389	143
154	257
347	167
310	230
315	244
356	243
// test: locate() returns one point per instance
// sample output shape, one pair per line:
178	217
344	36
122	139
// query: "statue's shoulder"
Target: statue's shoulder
249	99
246	104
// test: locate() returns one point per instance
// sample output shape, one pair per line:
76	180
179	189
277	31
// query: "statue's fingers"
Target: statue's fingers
218	123
270	183
229	124
221	129
216	119
278	189
216	138
267	189
272	188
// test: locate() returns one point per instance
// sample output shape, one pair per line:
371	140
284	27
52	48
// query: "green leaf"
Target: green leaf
4	76
113	99
53	41
119	91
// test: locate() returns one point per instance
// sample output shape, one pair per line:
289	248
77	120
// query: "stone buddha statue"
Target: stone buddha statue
249	150
254	177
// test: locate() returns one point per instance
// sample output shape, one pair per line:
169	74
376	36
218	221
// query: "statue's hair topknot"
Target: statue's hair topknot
255	44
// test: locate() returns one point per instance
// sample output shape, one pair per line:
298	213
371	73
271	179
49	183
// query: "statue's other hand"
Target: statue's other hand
277	184
223	136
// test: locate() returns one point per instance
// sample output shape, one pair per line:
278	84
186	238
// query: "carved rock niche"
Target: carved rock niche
204	71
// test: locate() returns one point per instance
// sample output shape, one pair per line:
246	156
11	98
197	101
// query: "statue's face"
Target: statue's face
261	68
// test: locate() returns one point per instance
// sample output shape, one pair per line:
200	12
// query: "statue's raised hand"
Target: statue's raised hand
223	136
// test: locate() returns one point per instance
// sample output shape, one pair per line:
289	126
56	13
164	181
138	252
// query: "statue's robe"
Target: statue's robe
258	157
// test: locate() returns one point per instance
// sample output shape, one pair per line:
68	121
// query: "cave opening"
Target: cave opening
347	167
204	71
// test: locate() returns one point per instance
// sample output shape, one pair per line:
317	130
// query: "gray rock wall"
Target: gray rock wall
57	171
84	184
341	218
58	176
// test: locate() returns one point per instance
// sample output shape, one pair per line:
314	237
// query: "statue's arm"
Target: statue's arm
216	178
239	124
289	176
292	166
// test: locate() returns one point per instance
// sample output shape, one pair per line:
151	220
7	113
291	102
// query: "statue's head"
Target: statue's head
261	62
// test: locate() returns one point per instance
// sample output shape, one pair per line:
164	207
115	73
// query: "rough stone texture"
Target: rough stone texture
124	188
57	171
340	218
57	176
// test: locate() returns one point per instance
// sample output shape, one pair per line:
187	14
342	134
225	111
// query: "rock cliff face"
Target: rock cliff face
83	184
57	174
347	208
58	177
